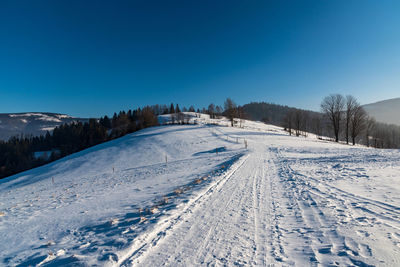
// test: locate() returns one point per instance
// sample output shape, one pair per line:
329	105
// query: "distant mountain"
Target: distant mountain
387	111
35	123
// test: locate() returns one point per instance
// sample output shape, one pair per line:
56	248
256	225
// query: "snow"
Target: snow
163	196
48	128
48	118
63	116
27	115
38	116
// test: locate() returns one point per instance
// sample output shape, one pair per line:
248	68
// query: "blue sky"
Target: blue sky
94	58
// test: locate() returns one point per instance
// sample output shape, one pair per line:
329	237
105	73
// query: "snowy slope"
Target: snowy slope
282	201
87	195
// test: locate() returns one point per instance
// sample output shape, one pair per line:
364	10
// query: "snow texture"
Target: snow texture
194	195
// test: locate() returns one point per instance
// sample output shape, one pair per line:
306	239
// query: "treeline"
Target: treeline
384	135
295	121
268	112
301	122
342	118
26	152
349	122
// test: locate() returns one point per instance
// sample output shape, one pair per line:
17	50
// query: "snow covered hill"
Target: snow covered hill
195	195
35	123
385	111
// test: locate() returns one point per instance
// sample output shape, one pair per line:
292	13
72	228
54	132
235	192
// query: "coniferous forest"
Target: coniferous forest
20	153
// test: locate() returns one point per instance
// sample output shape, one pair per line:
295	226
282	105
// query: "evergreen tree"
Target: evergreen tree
172	109
165	110
106	122
230	110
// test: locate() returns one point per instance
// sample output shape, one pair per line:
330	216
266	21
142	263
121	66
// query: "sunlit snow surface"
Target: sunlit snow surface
163	196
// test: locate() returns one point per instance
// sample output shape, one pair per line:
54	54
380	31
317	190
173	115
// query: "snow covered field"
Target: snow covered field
163	196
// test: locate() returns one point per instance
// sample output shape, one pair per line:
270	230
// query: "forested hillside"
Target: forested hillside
22	153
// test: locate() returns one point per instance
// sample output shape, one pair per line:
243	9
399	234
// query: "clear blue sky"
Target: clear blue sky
91	58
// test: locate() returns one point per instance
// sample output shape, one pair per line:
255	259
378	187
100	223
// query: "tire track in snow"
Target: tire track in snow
322	235
259	220
358	211
215	224
354	211
361	206
229	227
394	211
219	224
277	251
264	212
296	229
145	243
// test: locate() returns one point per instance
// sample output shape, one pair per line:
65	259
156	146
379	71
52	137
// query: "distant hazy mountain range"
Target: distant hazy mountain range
387	111
34	123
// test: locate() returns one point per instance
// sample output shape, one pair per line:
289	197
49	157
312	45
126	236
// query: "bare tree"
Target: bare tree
230	110
316	125
288	121
298	118
241	115
369	127
186	118
218	111
173	117
180	118
211	111
306	122
332	106
357	122
351	104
